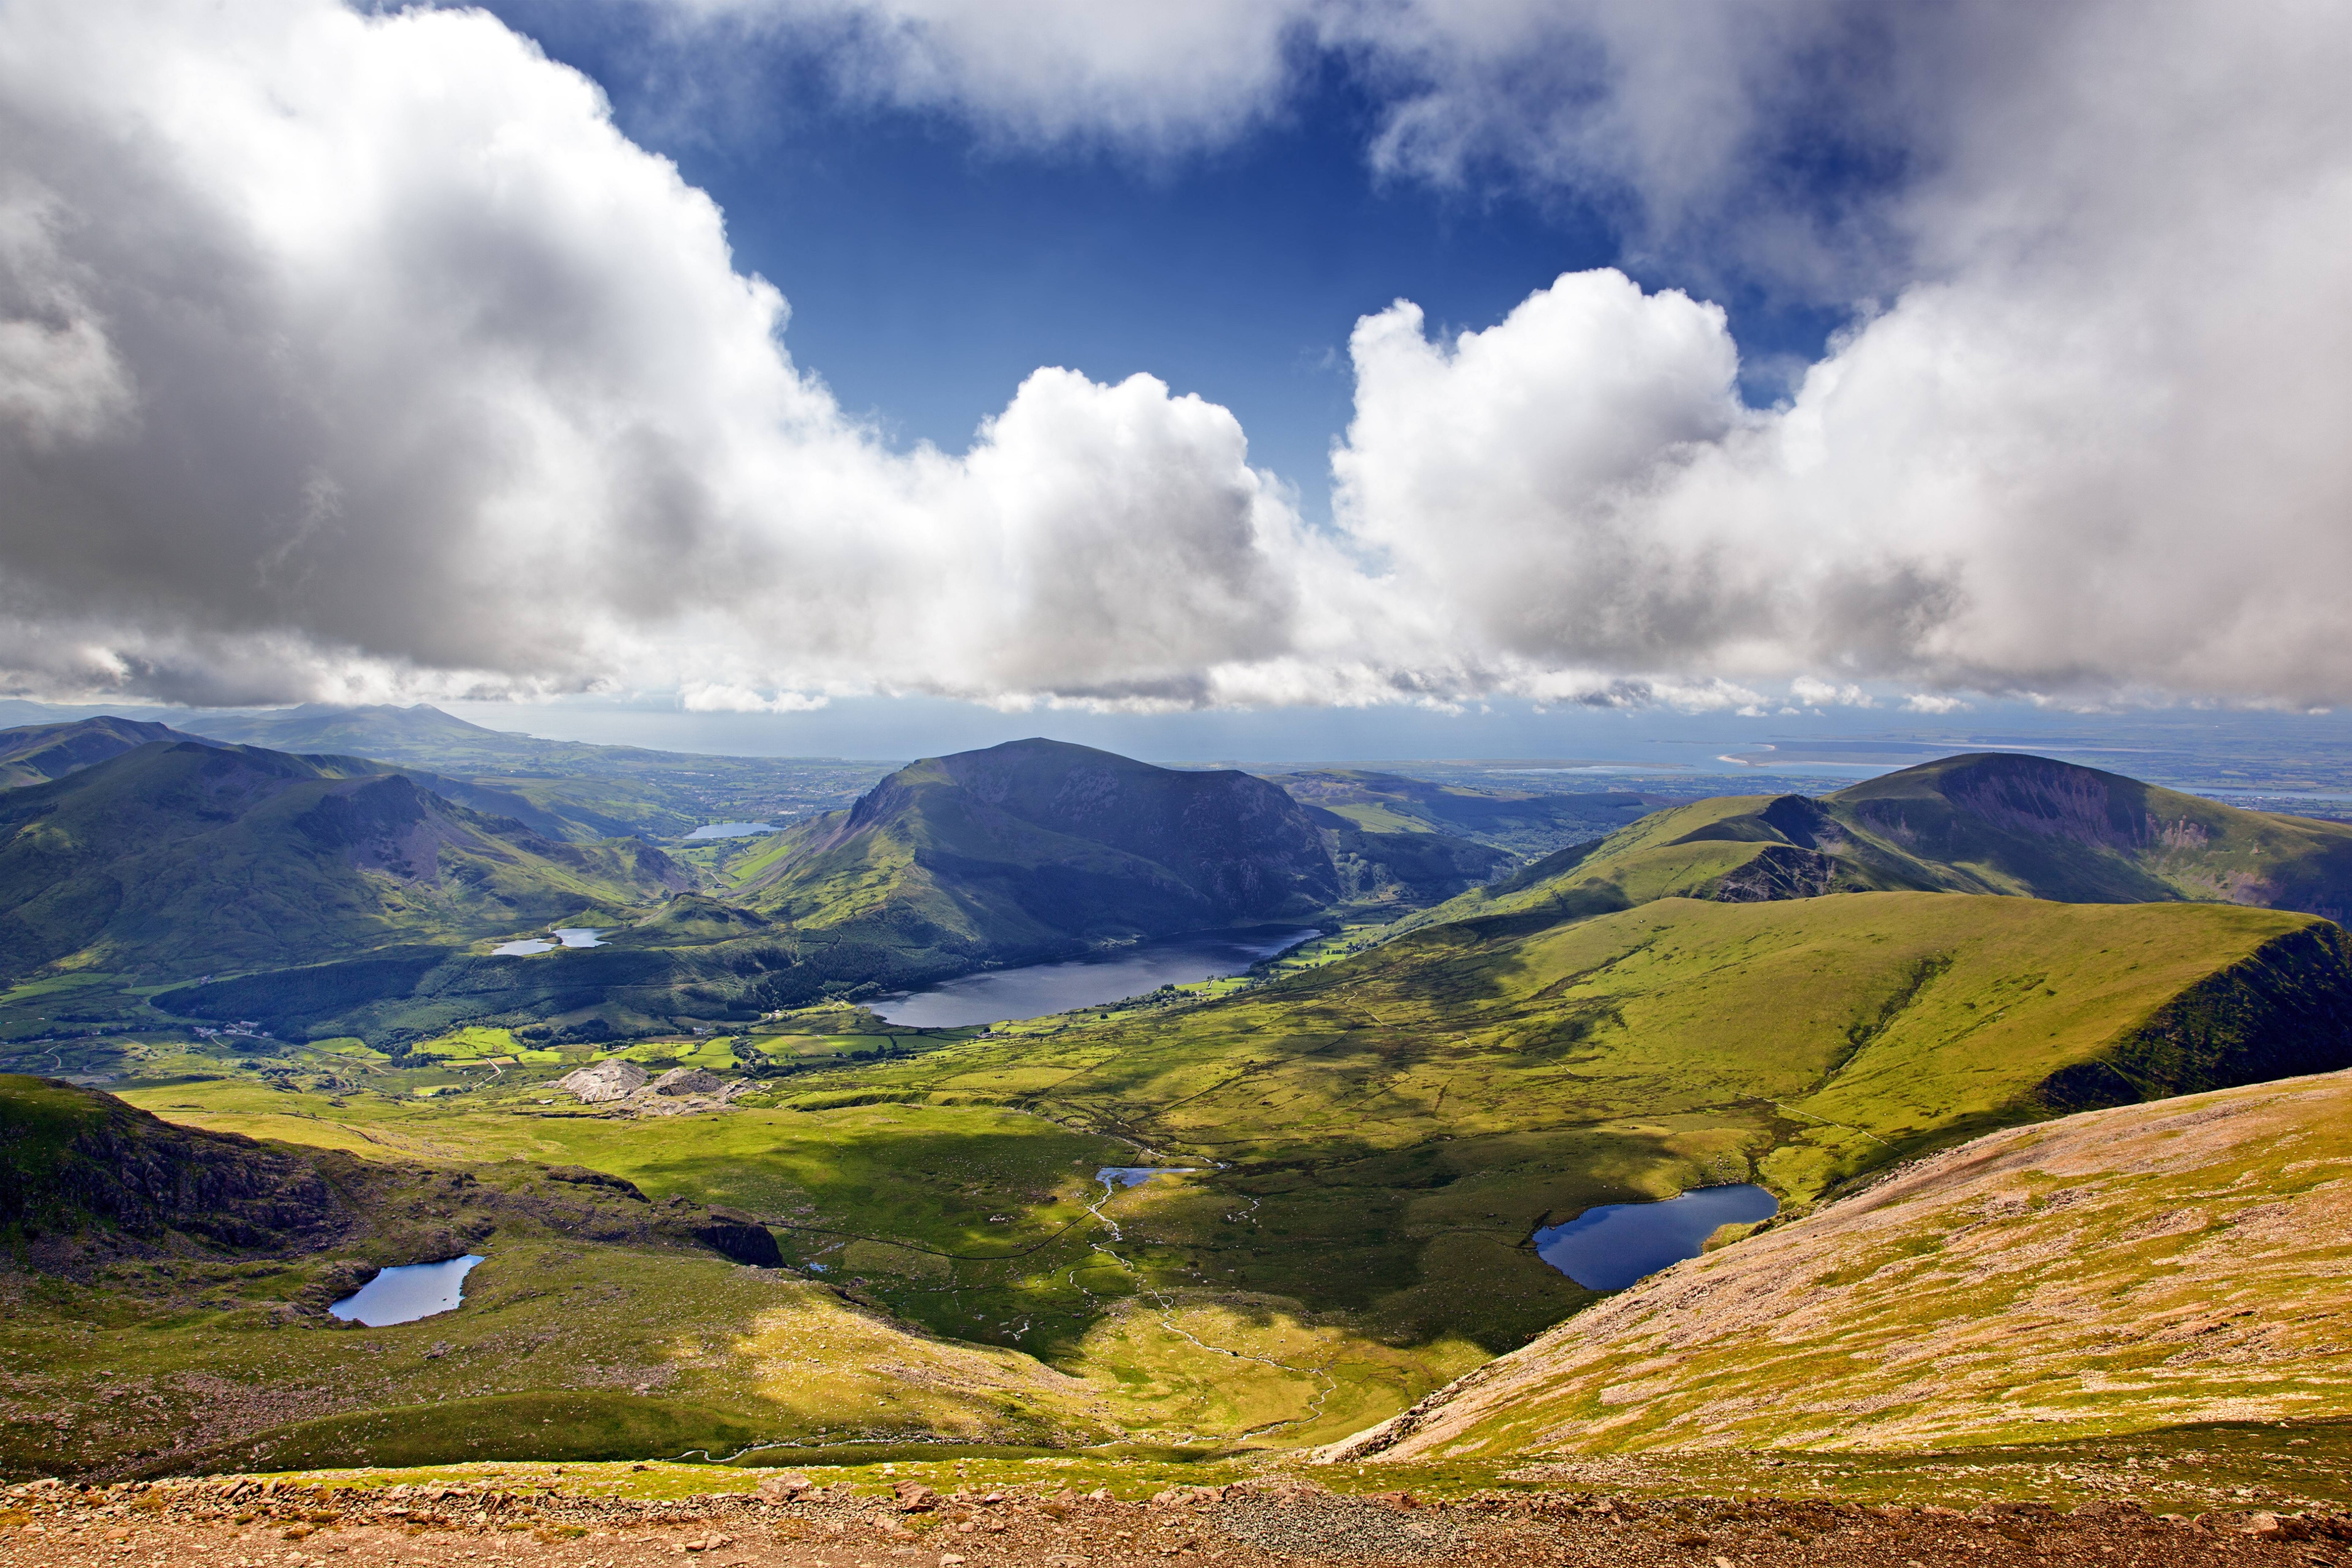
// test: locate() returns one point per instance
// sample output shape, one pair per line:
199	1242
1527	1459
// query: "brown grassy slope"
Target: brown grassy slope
2145	1267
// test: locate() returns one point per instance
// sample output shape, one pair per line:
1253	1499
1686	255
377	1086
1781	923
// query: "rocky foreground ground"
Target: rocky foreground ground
238	1523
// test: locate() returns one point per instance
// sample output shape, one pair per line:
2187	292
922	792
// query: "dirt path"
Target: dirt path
240	1525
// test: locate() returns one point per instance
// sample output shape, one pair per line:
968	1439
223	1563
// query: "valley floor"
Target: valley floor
234	1523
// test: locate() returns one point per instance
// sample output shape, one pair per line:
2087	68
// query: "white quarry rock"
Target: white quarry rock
604	1081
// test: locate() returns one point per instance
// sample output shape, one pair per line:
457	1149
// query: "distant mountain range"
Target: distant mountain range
565	789
324	891
1523	821
1822	996
39	753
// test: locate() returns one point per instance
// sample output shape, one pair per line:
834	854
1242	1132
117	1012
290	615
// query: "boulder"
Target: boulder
686	1080
604	1081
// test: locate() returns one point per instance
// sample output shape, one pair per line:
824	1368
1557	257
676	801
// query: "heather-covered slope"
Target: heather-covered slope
2145	1266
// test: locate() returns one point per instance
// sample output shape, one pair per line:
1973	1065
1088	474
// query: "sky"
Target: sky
1360	369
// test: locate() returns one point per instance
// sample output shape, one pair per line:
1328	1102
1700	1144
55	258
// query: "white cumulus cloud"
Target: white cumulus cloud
358	355
362	354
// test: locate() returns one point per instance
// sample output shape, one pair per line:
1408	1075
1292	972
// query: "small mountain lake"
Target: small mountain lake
404	1294
731	829
567	936
1135	1175
1034	990
1610	1247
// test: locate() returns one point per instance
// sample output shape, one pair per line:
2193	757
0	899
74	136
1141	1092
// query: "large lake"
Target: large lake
1608	1249
405	1294
1037	989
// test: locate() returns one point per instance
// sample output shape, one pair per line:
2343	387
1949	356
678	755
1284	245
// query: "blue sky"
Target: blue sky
931	265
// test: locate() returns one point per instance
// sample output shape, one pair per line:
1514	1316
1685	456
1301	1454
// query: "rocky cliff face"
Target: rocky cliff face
72	1161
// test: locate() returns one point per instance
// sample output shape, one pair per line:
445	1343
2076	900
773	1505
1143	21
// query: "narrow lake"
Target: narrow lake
405	1294
1135	1175
569	936
1034	990
1608	1247
731	829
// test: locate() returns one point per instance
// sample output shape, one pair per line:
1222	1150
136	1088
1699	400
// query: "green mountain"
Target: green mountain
2155	1266
36	754
1036	848
422	734
2009	823
582	791
1986	823
176	859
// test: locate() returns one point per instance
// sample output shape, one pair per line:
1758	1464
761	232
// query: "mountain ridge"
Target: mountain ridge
1996	823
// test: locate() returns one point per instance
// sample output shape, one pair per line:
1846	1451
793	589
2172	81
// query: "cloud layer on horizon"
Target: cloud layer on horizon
349	357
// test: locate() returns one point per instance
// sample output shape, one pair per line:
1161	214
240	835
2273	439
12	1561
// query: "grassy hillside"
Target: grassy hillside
1369	1144
1989	823
1387	1131
1036	848
173	861
36	754
152	1269
592	791
2016	824
2143	1268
